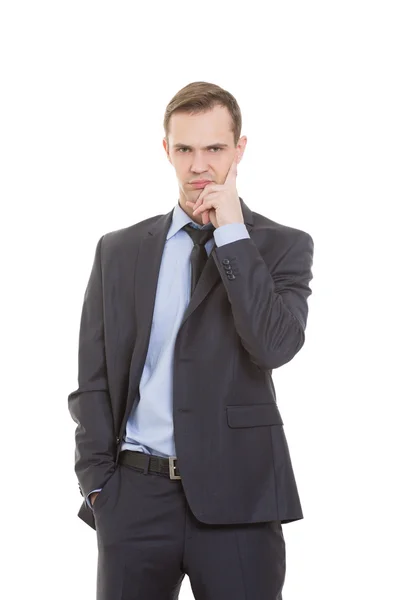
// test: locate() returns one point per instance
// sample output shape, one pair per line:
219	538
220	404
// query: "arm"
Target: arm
90	405
270	310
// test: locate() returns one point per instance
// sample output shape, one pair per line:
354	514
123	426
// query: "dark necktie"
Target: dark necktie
198	257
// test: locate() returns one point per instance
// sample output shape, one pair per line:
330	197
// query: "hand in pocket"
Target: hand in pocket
92	497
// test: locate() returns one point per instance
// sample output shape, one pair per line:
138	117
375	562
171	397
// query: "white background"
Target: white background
84	86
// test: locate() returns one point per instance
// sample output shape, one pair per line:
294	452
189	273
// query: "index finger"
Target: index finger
232	173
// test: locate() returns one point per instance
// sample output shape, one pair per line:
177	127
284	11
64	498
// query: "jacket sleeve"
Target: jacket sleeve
269	309
89	405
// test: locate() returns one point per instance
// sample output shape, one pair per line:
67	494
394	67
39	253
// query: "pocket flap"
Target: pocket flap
253	415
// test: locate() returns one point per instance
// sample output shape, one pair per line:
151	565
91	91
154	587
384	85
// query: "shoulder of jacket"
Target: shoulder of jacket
126	235
284	232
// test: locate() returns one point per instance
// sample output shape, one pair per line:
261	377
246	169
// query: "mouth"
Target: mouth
200	183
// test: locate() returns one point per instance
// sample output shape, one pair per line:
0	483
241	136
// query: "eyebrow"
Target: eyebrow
206	148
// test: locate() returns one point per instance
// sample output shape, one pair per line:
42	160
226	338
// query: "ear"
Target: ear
242	146
165	144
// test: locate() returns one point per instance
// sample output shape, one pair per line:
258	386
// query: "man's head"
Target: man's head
202	125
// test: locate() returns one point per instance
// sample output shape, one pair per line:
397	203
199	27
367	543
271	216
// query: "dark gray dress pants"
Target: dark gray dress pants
148	540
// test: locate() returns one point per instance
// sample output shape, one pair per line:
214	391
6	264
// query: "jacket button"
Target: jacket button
118	440
225	261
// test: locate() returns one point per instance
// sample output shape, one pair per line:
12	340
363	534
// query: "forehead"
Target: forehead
200	128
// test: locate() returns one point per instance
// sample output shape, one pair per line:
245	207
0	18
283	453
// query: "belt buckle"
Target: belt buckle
172	468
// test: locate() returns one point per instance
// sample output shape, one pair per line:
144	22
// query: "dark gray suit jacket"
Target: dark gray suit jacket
247	316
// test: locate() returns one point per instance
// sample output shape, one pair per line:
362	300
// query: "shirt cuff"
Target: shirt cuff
87	497
231	232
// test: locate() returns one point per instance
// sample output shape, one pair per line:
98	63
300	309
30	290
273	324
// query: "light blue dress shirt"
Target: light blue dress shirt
150	428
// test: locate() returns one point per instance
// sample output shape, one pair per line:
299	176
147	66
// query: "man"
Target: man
181	454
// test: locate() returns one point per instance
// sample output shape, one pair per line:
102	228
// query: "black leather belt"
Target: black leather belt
151	463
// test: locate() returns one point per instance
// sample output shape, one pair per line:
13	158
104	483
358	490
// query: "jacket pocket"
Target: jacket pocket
253	415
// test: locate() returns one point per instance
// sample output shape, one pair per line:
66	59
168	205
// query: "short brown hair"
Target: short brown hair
200	96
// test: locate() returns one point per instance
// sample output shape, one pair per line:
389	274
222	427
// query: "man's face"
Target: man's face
201	147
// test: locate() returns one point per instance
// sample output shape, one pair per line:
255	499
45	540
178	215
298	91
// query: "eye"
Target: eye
213	148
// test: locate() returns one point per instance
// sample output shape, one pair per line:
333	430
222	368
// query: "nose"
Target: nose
199	163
